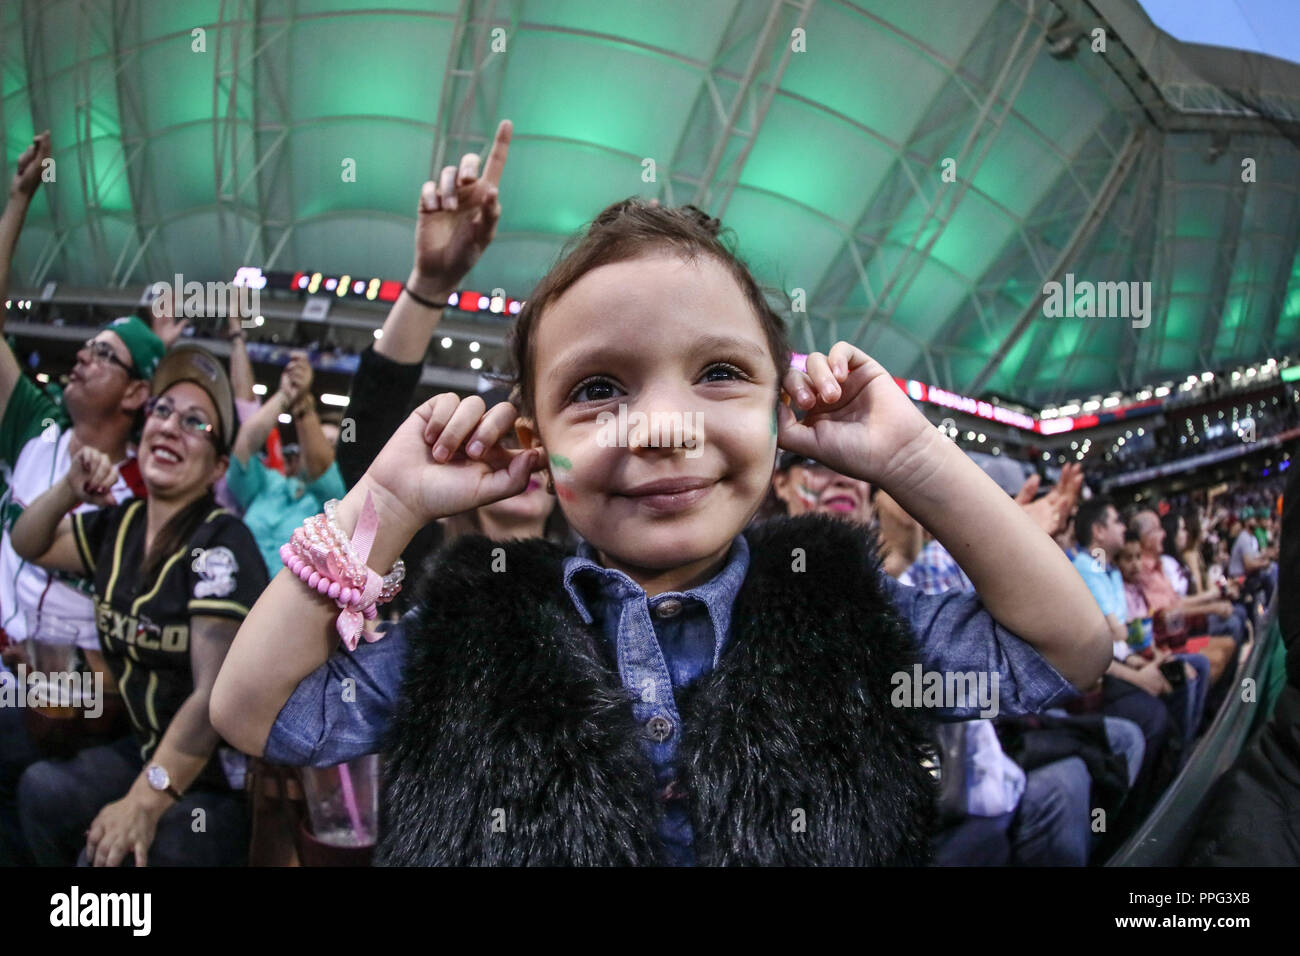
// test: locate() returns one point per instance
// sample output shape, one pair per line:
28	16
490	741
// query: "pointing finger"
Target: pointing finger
496	161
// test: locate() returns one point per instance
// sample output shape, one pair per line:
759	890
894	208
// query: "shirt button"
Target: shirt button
659	729
668	608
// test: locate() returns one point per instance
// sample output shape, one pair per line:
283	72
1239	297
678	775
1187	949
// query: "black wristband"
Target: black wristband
427	303
238	334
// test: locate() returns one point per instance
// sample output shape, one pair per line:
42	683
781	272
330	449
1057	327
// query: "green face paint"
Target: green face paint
563	481
773	421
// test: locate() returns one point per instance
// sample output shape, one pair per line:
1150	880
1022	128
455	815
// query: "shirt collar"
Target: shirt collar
718	594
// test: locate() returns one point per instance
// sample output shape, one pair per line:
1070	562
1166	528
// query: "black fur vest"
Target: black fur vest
514	741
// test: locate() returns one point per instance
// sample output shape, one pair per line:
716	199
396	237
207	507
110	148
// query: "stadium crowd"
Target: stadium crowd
149	510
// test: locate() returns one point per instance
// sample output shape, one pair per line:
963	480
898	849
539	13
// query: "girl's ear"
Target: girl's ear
526	432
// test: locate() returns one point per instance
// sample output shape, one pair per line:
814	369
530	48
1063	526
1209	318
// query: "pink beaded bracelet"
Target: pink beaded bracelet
321	554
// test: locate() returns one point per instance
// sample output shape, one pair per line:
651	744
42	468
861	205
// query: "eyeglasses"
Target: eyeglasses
191	421
103	353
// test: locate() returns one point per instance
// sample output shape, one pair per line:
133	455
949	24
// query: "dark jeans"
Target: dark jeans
1234	625
1179	713
1122	699
17	753
59	799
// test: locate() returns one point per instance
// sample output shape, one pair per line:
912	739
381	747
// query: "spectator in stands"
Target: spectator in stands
1043	814
246	403
1248	560
1260	526
379	401
1161	588
804	486
275	504
1190	556
174	576
40	434
1067	541
653	553
384	386
901	536
1186	699
1131	686
530	514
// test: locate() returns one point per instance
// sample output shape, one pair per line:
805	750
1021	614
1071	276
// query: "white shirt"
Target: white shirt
31	599
1174	572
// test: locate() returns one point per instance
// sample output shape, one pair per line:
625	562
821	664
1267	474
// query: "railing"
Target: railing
1162	839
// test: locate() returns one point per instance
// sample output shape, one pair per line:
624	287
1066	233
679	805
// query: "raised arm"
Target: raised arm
862	424
43	532
450	236
26	180
241	368
317	452
456	220
253	433
291	630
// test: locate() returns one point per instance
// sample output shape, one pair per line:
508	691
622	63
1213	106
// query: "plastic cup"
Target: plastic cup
343	802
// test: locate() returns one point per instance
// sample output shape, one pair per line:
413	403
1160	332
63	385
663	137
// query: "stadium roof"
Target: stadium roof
1122	165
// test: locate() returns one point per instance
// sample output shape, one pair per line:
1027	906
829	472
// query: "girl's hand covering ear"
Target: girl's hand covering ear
447	458
857	420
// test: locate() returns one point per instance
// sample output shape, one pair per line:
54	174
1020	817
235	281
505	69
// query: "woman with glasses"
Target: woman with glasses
174	576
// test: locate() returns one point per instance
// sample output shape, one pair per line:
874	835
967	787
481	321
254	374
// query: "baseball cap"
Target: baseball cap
145	347
191	363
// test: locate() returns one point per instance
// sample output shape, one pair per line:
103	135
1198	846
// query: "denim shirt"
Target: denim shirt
661	644
659	648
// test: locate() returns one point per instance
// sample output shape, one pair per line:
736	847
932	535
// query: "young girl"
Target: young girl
681	690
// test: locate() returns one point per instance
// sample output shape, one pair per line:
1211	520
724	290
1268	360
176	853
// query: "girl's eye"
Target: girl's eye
595	389
724	368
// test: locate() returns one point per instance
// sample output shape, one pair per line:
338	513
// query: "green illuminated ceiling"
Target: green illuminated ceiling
828	162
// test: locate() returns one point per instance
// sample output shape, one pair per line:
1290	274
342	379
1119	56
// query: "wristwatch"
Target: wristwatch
160	780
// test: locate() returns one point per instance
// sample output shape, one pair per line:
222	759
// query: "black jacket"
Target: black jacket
514	741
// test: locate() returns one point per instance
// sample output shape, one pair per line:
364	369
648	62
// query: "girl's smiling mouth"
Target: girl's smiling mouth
670	495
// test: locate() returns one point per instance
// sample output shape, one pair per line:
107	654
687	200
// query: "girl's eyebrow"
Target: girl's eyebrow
704	344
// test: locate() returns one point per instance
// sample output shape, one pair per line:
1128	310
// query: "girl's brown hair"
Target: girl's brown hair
626	230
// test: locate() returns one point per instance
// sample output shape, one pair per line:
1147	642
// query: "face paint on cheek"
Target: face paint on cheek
562	472
806	494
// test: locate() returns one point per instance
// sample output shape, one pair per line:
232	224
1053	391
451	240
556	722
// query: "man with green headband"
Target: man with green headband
104	392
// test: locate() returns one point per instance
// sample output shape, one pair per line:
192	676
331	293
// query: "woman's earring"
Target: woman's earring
550	482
